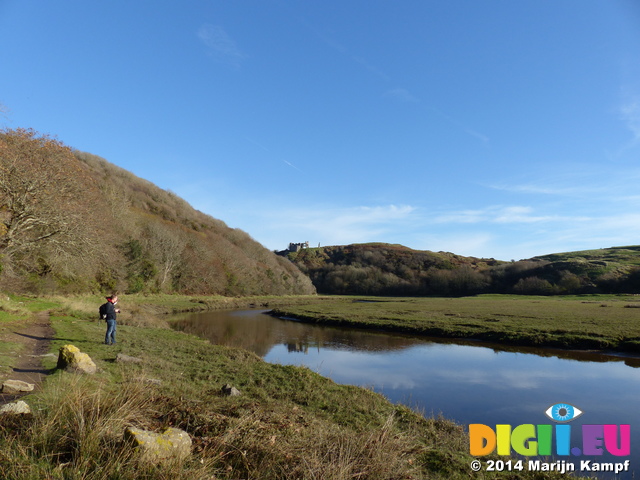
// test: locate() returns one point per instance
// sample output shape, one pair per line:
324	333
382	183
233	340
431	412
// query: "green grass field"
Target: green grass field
603	322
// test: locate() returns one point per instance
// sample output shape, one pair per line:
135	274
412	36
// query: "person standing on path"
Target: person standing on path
110	317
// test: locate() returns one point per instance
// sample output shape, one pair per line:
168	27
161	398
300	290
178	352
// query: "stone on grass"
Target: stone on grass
15	408
13	387
230	391
150	381
122	358
71	359
173	443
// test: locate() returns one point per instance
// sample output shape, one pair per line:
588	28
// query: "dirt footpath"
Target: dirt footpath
35	335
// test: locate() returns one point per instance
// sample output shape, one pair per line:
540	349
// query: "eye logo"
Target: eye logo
563	412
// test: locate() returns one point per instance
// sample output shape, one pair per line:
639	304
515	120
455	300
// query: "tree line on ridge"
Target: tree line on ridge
395	270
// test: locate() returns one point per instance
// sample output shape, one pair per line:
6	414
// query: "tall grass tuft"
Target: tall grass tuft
76	432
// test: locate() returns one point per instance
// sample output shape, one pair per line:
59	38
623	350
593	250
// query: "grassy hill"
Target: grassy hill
611	270
598	262
383	269
72	222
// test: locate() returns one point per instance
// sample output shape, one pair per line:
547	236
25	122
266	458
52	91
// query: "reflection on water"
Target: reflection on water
471	383
255	331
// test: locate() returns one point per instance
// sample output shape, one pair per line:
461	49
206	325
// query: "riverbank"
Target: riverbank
288	422
602	322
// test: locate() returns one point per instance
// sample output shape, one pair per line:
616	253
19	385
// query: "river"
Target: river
468	382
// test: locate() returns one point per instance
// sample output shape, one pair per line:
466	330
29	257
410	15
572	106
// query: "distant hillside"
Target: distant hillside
71	221
611	270
383	269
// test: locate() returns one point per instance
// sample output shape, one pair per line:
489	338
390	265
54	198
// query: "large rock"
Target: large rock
13	387
173	443
15	408
71	359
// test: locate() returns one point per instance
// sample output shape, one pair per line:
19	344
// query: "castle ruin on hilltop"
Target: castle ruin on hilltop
293	248
296	247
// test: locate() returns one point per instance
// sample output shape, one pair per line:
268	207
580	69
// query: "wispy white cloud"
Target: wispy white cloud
518	214
595	185
292	165
547	189
331	42
371	68
600	231
483	138
292	219
630	112
623	222
359	223
267	150
502	215
402	95
465	128
257	144
220	45
468	243
339	226
502	231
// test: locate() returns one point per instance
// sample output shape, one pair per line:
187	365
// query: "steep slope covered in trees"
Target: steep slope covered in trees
71	221
383	269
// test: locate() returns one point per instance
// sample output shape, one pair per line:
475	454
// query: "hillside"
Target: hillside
611	270
383	269
73	222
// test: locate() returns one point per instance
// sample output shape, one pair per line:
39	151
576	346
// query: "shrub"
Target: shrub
534	286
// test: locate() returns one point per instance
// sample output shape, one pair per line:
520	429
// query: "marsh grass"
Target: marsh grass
598	322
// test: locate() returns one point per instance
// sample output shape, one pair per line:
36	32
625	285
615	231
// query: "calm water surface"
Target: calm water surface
469	383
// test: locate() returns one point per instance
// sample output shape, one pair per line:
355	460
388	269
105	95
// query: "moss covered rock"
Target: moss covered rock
173	443
71	359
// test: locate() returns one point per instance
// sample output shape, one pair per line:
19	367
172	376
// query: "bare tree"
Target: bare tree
167	246
45	197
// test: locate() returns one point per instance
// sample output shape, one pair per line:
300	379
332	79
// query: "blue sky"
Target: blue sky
490	128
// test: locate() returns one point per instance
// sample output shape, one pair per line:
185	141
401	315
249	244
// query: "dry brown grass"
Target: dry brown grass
76	432
280	444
